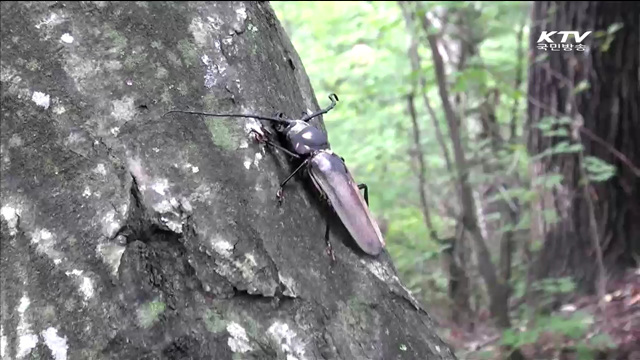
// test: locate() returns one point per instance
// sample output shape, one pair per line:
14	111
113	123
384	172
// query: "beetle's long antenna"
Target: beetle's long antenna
333	98
229	115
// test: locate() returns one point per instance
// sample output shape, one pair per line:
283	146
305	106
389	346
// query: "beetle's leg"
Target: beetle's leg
257	135
329	248
279	194
333	98
263	139
269	142
366	192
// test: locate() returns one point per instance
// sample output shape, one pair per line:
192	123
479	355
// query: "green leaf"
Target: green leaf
582	86
597	169
602	341
614	27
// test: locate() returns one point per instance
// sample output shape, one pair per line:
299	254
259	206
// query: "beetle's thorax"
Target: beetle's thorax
305	139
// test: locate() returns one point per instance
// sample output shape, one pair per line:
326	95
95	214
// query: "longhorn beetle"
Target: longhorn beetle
327	170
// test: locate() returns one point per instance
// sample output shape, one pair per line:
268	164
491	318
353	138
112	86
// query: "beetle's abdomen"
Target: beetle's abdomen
330	174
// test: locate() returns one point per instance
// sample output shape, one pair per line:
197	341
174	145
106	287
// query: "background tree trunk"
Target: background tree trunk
126	235
611	111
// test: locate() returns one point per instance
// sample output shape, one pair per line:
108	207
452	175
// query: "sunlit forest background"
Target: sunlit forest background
502	175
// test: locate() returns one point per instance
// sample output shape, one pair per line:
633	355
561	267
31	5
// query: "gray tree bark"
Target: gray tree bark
128	235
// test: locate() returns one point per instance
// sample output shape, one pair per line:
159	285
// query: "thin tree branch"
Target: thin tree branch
422	168
518	83
416	62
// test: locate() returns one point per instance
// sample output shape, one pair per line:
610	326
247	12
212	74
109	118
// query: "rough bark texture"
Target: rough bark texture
126	235
610	109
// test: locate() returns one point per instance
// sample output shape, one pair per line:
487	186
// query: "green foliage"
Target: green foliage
554	286
572	326
562	328
597	169
359	51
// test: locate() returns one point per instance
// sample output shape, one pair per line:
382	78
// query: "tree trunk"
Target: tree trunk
128	235
609	113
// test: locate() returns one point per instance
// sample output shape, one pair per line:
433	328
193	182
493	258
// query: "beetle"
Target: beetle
327	170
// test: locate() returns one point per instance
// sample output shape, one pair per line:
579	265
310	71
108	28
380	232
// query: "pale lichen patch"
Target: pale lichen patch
111	223
24	304
161	186
45	242
27	340
198	31
3	342
241	13
215	22
53	19
149	313
194	169
26	343
222	247
289	285
257	159
247	266
66	38
86	285
188	51
163	206
238	340
81	70
210	78
10	215
162	73
123	109
186	205
59	109
15	141
87	288
56	344
377	269
100	169
173	225
41	99
111	254
288	340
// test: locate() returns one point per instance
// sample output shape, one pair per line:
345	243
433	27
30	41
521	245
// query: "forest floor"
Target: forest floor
581	329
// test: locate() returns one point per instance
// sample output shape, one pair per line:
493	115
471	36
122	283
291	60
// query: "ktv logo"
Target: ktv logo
545	41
